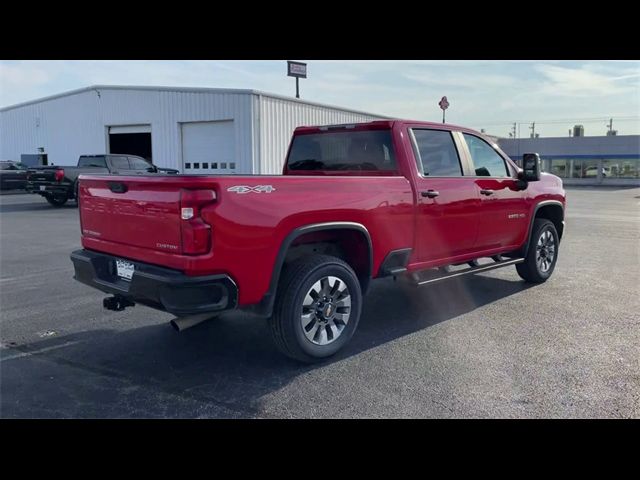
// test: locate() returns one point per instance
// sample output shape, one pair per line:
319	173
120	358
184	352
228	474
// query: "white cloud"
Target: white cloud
583	81
463	79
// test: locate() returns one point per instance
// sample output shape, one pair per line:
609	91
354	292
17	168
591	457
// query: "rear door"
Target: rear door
447	210
502	206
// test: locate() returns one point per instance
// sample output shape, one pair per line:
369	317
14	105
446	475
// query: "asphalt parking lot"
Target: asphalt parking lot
483	346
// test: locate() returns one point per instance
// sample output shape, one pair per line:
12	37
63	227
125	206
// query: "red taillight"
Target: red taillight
196	234
59	175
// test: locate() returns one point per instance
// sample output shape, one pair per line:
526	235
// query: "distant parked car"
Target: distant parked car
13	175
58	183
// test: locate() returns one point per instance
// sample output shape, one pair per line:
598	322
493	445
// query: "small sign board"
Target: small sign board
444	103
296	69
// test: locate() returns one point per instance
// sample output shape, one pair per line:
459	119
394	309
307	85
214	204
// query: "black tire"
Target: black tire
531	270
56	201
296	281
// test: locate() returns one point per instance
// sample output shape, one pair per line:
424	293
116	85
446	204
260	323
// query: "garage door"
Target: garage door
208	147
131	140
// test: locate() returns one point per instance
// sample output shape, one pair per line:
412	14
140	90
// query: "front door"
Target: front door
119	164
447	211
504	211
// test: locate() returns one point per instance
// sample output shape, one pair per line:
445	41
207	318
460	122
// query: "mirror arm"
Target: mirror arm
521	182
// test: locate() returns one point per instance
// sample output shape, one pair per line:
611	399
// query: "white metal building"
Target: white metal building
196	130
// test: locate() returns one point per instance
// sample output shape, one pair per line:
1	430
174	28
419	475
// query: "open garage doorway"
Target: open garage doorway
131	140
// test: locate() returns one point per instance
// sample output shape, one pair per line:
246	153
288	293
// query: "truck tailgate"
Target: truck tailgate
131	211
42	174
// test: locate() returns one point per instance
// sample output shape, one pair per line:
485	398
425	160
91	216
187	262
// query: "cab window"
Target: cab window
92	162
119	163
486	161
437	153
369	150
138	163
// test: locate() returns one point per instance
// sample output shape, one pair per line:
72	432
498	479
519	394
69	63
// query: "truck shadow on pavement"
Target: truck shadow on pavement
231	361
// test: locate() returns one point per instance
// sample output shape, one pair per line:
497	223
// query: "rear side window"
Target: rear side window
370	150
119	163
92	162
438	156
486	160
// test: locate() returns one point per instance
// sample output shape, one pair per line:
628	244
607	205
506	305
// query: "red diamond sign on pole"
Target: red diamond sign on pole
444	104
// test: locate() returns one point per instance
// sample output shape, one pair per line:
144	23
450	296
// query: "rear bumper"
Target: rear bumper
49	188
157	287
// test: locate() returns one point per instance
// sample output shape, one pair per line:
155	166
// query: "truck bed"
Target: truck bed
248	219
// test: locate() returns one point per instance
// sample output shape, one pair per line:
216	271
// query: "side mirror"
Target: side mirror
531	167
152	169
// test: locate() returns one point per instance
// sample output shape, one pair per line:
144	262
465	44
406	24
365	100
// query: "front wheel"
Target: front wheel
317	309
56	201
542	253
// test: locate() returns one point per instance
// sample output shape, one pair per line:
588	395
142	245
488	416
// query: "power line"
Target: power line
583	119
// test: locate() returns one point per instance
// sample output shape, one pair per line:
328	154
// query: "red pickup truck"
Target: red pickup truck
418	200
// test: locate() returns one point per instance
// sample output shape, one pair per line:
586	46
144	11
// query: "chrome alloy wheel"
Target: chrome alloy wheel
545	251
325	310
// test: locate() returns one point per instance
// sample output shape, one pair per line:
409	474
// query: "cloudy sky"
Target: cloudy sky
482	94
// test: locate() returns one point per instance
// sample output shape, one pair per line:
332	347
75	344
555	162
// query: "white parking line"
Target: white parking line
36	352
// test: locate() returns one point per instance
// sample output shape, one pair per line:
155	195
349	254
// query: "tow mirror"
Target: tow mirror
531	167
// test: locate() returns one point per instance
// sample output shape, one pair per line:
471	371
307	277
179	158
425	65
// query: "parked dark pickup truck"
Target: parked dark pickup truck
414	200
57	184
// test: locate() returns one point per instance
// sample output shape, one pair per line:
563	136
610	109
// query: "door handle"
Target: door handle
430	193
486	191
117	187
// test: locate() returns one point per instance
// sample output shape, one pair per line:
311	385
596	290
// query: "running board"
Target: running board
475	269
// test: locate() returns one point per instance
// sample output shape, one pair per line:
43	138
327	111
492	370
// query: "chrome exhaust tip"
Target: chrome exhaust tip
182	323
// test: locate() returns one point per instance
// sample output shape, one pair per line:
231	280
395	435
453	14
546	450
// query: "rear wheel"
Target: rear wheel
317	309
542	254
56	201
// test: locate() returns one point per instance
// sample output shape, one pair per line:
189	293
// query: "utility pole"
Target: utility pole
610	126
514	129
533	130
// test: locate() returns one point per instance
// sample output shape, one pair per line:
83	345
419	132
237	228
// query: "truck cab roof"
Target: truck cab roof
383	124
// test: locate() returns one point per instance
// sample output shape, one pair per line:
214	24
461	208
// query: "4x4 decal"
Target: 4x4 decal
255	189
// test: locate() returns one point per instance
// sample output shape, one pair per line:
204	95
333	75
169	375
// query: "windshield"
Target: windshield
370	150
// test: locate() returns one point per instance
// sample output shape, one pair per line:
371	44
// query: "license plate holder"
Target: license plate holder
43	188
124	269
